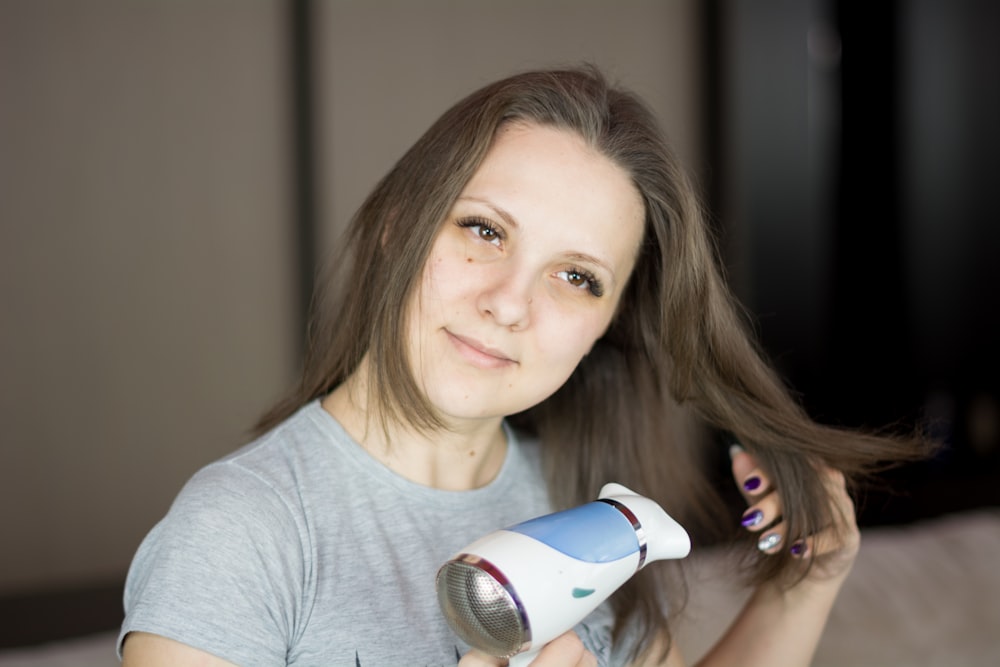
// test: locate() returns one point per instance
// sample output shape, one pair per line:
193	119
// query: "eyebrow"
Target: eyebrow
502	212
512	221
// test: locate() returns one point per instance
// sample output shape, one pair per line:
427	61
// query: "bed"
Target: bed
921	595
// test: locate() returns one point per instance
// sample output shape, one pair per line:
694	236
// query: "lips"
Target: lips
477	353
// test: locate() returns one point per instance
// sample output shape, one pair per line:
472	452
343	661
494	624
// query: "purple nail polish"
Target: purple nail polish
798	548
752	518
752	483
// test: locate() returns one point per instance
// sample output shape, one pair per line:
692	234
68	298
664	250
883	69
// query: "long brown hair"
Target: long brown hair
678	347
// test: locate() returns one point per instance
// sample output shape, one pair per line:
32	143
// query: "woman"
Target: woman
531	304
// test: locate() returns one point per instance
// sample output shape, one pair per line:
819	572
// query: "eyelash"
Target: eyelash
594	285
483	223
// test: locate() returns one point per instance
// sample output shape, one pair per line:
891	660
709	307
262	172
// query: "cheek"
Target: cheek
448	279
559	357
427	300
565	340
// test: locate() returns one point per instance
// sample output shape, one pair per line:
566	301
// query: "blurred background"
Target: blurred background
171	173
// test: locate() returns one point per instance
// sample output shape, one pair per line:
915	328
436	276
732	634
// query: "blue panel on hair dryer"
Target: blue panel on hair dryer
593	533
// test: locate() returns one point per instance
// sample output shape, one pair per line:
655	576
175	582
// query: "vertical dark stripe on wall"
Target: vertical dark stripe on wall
304	174
710	173
711	170
870	317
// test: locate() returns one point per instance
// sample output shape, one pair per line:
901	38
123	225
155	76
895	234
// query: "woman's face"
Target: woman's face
524	274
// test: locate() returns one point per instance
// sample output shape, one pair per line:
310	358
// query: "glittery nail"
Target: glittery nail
769	541
751	483
752	518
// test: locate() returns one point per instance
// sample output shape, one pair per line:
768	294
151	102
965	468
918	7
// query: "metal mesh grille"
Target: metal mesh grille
479	609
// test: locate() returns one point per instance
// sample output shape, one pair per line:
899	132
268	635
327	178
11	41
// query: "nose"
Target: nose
508	300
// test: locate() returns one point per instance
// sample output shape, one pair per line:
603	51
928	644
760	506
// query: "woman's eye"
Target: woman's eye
484	229
487	233
582	279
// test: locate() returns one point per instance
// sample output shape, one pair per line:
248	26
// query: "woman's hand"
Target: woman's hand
782	625
838	543
566	650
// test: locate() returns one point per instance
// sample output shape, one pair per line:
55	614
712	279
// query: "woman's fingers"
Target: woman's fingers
764	517
566	650
844	536
752	481
749	478
476	659
764	513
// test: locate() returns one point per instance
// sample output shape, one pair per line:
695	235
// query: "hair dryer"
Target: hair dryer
512	591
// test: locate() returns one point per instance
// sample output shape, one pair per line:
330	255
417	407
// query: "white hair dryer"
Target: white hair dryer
514	590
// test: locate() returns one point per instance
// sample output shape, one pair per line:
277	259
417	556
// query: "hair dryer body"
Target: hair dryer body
514	590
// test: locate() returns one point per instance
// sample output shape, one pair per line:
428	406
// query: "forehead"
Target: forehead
521	150
544	143
552	176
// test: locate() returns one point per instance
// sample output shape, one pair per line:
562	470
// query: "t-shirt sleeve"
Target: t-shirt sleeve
224	571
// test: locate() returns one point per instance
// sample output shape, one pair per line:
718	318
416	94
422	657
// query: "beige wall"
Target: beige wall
145	279
388	68
144	264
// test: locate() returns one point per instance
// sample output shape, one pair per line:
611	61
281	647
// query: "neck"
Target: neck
464	455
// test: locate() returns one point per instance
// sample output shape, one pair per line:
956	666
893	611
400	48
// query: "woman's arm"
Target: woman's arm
783	626
142	649
777	626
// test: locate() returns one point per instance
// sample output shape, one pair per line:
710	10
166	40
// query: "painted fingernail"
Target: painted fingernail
734	450
752	518
798	548
769	541
751	483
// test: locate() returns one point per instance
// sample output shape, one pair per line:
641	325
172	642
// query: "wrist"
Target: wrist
819	587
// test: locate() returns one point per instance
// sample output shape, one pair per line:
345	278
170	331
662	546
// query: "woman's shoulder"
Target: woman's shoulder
280	455
261	479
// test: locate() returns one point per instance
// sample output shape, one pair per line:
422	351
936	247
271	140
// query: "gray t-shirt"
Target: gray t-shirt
301	549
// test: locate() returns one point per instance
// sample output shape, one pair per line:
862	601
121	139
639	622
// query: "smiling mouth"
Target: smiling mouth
478	354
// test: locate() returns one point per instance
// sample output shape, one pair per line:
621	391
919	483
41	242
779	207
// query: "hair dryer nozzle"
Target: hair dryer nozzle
517	589
480	606
663	537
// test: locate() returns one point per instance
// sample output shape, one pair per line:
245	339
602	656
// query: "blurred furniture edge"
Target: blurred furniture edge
39	617
920	595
